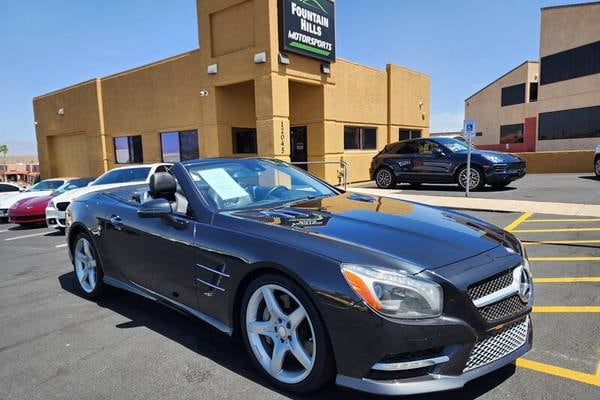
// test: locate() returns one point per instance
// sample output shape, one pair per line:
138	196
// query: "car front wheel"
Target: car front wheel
477	181
88	271
385	179
597	169
284	335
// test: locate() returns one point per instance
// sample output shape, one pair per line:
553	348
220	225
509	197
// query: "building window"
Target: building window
533	91
244	140
570	124
511	133
179	146
404	134
360	138
513	95
128	149
572	63
478	133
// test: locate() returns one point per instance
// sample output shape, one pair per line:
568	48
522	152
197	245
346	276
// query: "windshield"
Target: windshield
123	175
45	185
70	185
254	183
454	145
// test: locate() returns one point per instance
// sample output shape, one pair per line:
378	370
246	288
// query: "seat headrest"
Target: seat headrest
162	185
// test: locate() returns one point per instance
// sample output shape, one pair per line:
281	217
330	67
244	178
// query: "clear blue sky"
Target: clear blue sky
461	45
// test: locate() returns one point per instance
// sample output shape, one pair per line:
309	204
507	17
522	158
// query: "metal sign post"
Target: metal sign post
469	132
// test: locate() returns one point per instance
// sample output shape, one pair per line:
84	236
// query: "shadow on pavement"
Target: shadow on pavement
230	353
590	177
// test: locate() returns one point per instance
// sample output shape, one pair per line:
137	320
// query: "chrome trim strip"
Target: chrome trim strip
503	293
211	285
214	271
401	366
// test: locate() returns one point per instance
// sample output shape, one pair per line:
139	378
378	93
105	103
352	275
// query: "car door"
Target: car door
432	163
401	157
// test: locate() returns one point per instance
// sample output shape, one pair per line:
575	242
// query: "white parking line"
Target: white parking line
26	236
3	230
61	245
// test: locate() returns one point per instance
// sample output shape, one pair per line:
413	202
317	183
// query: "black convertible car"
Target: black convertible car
443	160
386	296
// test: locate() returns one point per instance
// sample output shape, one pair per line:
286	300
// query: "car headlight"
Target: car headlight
51	204
493	158
525	258
393	293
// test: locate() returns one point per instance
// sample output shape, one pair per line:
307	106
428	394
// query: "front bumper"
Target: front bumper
433	381
504	173
3	213
55	218
24	219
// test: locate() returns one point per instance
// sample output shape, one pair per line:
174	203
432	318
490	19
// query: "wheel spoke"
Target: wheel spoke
278	355
272	304
84	275
86	249
91	278
300	354
296	317
264	328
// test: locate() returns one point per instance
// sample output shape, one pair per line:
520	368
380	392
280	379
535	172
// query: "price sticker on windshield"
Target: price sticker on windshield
222	183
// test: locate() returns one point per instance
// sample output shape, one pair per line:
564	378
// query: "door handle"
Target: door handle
117	222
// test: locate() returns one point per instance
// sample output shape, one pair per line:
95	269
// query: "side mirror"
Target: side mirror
155	208
438	152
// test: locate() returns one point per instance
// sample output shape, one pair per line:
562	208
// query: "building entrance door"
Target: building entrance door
298	145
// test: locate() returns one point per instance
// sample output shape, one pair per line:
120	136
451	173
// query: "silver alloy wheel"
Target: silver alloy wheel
275	335
85	265
598	166
475	178
384	178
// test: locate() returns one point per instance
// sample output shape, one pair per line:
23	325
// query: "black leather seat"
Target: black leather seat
164	186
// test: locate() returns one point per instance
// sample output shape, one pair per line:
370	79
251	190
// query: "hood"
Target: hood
426	236
73	194
7	202
32	203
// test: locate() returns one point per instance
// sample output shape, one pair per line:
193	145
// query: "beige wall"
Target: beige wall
271	97
485	105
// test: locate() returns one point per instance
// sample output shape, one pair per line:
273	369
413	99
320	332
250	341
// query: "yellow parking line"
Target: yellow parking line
590	379
561	242
567	280
565	220
556	230
564	258
518	221
566	309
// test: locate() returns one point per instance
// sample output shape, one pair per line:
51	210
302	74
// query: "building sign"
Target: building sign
307	27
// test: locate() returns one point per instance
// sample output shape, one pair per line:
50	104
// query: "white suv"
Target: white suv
122	176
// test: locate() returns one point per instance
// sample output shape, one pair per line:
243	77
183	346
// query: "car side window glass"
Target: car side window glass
426	146
406	148
8	188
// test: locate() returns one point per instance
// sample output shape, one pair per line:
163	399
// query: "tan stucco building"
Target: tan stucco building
551	104
239	94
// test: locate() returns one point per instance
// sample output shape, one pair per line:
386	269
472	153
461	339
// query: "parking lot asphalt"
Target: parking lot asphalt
583	188
54	344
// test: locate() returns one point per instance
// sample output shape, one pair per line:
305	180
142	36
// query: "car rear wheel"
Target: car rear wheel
284	335
477	181
597	169
88	271
385	178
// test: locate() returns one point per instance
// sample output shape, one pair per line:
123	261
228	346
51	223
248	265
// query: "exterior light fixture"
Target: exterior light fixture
326	68
61	111
203	93
283	59
260	58
213	69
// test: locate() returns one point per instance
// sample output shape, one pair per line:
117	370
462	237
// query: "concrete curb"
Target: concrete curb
471	203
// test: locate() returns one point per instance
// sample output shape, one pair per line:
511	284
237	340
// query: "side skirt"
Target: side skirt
149	294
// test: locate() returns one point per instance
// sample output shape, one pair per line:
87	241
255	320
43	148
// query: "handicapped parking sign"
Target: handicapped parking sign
469	131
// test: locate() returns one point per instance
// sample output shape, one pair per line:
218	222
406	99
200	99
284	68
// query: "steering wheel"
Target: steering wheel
273	190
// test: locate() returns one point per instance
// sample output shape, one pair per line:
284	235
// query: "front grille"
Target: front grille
502	309
62	206
397	375
490	285
26	218
498	345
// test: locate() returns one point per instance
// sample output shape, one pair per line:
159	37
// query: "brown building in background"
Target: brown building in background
244	92
551	104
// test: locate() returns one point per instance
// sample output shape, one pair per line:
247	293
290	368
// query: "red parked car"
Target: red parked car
32	210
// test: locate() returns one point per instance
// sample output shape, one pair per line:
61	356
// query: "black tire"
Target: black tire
323	369
385	178
99	288
474	170
597	166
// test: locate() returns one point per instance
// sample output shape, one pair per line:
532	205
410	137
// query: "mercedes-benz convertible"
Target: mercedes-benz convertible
384	296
